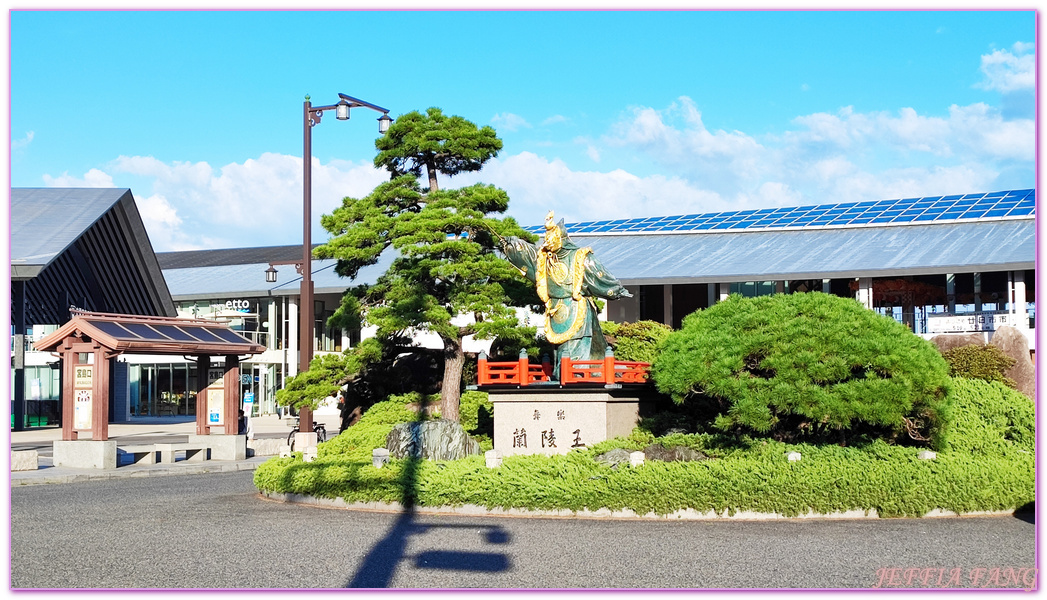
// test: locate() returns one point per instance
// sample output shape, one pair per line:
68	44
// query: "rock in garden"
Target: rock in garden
948	341
439	439
1013	343
676	453
618	456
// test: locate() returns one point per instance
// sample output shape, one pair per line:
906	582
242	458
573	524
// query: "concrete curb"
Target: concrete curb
473	510
54	475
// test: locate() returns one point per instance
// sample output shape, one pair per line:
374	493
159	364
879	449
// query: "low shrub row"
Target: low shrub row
988	465
889	479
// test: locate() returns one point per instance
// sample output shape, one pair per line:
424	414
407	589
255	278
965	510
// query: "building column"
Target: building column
950	293
1018	298
271	326
667	305
977	292
827	286
865	296
725	290
18	331
291	367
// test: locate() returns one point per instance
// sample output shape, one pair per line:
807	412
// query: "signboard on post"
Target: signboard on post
83	387
215	397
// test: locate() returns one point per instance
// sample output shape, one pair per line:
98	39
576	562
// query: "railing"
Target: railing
520	372
607	371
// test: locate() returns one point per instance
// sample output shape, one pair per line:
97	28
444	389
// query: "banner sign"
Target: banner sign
970	323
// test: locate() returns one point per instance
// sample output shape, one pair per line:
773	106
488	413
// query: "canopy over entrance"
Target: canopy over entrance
89	341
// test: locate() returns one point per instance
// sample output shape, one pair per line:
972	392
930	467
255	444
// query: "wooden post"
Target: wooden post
565	369
232	394
203	363
523	368
481	369
100	395
69	359
608	366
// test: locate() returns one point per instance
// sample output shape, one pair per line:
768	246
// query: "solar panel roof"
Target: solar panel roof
1013	204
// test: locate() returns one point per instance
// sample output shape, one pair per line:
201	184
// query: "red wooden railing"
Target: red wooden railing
607	371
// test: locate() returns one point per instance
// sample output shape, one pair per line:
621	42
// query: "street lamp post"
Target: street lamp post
312	116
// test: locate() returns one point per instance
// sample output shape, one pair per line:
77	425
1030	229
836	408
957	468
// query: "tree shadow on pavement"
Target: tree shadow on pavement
378	568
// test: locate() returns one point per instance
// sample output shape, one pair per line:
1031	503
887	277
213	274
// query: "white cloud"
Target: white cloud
254	203
509	122
537	185
22	143
553	120
1007	71
92	179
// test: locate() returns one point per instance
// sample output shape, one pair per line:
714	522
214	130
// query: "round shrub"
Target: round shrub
808	362
637	341
975	361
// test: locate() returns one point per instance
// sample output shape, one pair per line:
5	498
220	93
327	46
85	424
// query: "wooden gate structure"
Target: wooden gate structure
90	340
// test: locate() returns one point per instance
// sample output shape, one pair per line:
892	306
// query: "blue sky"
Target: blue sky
603	114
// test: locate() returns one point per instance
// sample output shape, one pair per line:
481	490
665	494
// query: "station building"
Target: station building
958	263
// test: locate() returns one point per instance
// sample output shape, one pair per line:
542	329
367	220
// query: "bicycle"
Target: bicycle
318	429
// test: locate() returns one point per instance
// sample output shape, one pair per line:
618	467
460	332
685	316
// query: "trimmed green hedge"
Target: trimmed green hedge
988	465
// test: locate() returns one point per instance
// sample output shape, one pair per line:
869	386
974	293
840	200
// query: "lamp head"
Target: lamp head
341	111
384	122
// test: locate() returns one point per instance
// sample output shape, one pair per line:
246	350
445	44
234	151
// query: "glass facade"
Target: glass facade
42	393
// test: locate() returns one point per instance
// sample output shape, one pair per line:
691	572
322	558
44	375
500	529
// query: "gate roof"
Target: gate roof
151	335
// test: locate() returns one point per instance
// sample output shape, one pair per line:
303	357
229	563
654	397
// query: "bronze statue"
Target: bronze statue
567	279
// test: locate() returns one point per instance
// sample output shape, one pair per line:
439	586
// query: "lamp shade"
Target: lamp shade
270	274
341	111
383	123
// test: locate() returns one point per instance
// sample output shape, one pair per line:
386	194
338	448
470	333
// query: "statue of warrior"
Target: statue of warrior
567	279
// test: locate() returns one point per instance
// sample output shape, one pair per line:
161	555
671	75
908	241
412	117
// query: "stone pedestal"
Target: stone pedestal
223	446
557	420
84	454
305	441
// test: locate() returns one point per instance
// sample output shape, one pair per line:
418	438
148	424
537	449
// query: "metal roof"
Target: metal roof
907	237
826	253
981	207
212	279
86	247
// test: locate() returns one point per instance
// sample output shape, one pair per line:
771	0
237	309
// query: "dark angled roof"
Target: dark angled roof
85	247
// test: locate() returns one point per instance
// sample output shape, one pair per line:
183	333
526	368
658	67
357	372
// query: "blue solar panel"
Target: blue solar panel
993	205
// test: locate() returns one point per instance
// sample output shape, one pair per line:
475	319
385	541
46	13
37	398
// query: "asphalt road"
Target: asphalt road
215	531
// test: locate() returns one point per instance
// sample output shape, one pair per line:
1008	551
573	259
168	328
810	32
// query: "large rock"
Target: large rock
1013	343
948	341
676	453
439	439
614	458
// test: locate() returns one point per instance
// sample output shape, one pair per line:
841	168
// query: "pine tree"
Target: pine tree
444	240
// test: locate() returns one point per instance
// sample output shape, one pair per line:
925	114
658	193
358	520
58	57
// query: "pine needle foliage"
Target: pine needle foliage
809	364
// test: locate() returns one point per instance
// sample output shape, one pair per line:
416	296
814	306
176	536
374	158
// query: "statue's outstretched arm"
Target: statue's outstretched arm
600	283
